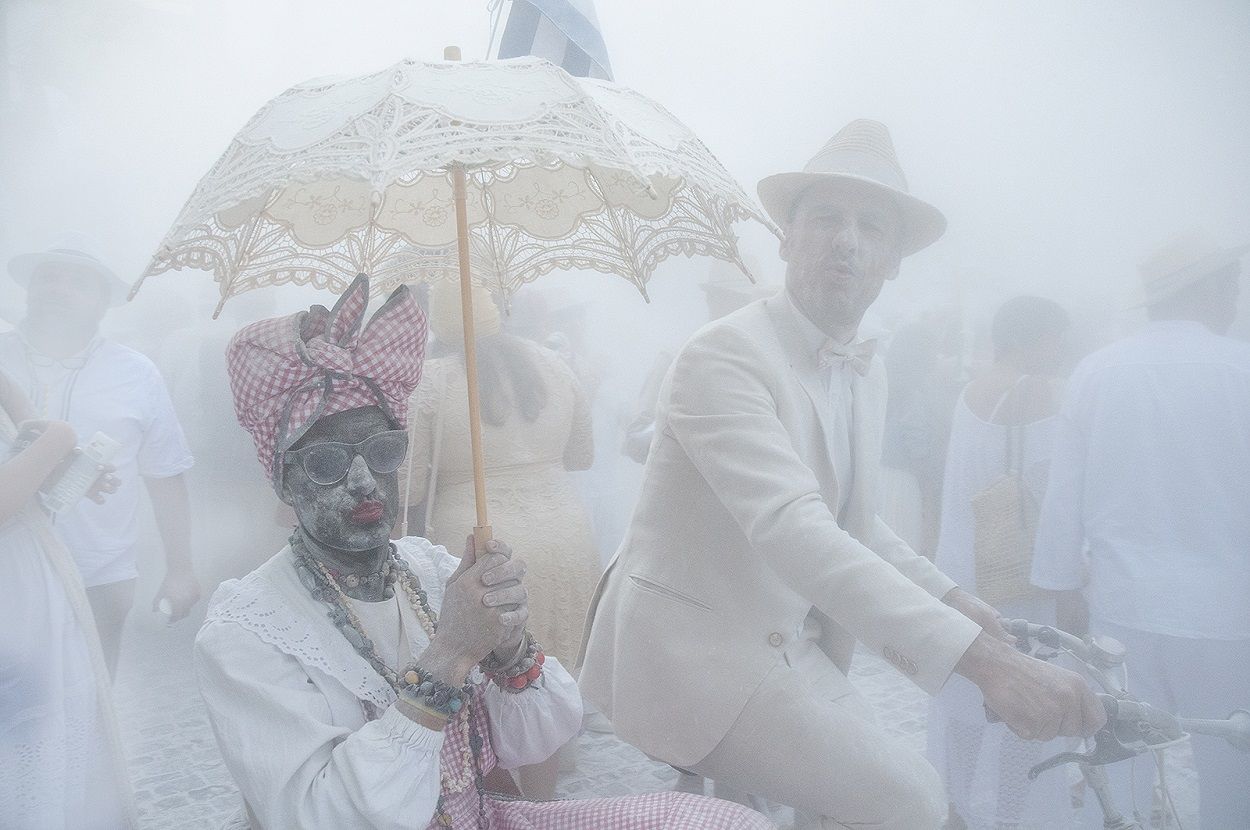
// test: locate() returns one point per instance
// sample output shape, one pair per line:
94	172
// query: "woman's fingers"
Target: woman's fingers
514	595
512	570
515	619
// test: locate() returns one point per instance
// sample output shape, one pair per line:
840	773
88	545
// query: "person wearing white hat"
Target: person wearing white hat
722	632
1147	511
72	373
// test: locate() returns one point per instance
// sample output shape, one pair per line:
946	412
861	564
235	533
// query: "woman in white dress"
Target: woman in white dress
60	760
984	765
355	682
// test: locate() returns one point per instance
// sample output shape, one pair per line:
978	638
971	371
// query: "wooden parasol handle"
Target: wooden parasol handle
459	184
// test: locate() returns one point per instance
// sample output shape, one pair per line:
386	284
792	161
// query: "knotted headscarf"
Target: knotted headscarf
289	372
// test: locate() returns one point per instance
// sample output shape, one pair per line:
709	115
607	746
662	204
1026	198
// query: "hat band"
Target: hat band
860	164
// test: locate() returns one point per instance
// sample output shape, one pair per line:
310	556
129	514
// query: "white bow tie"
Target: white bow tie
857	355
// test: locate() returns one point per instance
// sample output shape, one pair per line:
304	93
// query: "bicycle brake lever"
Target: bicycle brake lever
1107	750
1059	760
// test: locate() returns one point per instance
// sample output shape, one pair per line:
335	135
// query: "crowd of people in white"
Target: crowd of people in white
795	503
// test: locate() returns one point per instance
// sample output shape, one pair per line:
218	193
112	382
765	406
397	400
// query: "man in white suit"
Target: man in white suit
720	637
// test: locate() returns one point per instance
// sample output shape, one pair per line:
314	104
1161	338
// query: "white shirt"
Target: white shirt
285	694
1151	479
112	389
837	382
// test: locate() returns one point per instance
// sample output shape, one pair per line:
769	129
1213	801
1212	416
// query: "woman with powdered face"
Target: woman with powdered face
355	681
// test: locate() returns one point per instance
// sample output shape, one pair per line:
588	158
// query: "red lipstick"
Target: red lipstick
368	512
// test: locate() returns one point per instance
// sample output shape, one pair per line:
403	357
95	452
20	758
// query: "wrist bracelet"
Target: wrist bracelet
422	690
493	665
410	706
523	672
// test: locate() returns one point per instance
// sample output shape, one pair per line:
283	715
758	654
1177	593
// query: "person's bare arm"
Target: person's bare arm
23	475
172	506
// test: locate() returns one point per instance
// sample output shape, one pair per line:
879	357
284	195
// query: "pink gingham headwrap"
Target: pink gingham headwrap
289	372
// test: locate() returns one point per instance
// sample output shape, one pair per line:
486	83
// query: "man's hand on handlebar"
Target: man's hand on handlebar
1038	701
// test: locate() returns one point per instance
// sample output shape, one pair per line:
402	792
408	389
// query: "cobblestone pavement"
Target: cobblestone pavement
181	782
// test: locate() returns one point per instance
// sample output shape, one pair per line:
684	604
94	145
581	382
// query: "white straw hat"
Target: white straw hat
1187	258
68	253
861	151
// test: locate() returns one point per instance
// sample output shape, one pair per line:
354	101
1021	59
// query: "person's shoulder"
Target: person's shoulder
432	368
119	357
247	603
257	581
1023	401
742	328
741	343
544	356
1232	350
1106	356
426	558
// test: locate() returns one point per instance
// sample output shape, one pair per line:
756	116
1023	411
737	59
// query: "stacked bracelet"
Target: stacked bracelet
435	697
522	672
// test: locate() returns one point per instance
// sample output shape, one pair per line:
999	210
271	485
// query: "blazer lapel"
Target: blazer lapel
866	419
803	368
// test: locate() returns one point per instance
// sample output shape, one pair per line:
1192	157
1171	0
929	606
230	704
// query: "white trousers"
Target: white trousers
807	739
1191	678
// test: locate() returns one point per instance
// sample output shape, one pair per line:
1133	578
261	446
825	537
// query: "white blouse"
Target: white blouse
289	700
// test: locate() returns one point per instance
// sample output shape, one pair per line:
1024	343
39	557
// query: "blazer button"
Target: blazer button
775	640
904	664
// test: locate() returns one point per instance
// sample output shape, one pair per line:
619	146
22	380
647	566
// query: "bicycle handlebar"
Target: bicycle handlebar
1133	724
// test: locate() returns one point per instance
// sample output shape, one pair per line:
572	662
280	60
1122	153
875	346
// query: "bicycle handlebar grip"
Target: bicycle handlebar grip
1235	729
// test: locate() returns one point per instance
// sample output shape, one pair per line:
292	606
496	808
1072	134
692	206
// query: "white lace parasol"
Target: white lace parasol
334	178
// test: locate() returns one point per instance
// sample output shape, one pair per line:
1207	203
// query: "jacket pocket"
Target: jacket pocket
666	592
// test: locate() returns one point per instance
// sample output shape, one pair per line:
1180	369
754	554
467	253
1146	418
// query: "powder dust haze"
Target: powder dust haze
1063	141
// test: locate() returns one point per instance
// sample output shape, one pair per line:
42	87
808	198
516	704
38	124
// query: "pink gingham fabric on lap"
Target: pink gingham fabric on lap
650	811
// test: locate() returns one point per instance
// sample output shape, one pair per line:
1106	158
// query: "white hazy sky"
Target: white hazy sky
1062	139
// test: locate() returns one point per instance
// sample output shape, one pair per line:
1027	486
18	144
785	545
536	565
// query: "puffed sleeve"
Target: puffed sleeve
527	727
294	766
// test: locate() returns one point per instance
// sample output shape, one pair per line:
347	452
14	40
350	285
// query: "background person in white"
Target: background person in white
1148	510
755	559
72	373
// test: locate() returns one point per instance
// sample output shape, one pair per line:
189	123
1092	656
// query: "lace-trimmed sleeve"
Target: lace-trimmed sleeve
294	760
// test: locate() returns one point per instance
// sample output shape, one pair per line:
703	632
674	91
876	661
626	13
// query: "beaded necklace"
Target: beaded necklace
323	585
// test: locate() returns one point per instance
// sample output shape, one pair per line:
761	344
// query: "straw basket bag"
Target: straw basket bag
1004	517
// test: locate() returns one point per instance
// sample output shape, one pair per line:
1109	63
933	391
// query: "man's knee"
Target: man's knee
912	798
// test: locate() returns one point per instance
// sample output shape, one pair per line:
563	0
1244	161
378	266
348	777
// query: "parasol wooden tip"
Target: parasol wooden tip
451	53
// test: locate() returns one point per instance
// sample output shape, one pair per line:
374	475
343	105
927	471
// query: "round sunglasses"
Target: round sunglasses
328	463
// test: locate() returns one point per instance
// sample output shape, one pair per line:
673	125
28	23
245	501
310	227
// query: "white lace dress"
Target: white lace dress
56	759
984	765
533	504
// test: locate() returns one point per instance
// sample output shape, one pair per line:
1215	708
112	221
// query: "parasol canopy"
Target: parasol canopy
431	170
334	178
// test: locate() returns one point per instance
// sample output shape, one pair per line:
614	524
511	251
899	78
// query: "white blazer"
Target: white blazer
733	544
